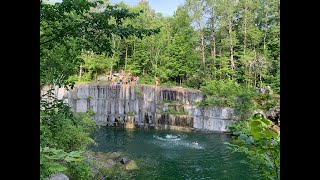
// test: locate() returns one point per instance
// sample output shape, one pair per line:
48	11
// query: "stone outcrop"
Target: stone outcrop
124	160
114	155
146	106
274	114
131	165
58	176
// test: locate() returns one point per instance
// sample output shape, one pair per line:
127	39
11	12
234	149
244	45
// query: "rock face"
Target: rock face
145	106
274	114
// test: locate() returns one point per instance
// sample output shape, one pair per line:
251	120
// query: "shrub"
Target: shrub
260	144
228	93
63	136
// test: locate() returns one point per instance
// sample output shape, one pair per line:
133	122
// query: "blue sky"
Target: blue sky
166	7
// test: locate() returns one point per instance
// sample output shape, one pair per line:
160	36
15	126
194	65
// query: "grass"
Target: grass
170	111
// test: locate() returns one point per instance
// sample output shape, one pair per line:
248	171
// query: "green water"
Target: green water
172	155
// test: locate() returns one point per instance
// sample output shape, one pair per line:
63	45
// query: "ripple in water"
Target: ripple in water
172	141
171	155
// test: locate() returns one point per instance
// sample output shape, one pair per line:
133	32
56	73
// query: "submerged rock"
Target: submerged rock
114	155
131	165
108	163
104	160
124	160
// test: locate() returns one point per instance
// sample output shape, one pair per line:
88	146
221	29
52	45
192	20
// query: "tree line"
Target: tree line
204	40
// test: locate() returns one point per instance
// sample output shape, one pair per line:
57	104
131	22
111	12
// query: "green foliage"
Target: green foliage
221	92
260	144
241	45
131	113
119	173
267	101
170	102
95	64
168	84
79	170
236	49
229	93
193	82
172	111
57	160
246	104
63	136
73	26
241	126
147	79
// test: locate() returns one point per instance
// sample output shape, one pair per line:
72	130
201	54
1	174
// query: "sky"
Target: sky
166	7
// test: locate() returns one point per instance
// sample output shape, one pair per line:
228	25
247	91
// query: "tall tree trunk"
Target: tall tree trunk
220	63
255	79
213	51
231	44
134	46
213	54
249	74
245	31
80	73
255	71
202	49
125	65
265	33
114	45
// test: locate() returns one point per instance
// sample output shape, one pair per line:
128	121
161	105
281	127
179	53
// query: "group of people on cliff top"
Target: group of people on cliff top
123	79
126	78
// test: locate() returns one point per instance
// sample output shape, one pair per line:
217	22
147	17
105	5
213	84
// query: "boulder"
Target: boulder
58	176
275	128
264	90
108	163
124	160
131	165
274	114
114	155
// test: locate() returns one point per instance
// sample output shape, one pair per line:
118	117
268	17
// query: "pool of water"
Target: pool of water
172	155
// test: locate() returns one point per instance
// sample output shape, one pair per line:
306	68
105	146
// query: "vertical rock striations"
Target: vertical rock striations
146	106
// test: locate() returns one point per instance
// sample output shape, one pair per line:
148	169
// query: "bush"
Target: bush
63	137
194	82
228	93
147	79
260	144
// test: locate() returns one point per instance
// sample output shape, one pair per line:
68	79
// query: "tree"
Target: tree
74	33
89	30
196	10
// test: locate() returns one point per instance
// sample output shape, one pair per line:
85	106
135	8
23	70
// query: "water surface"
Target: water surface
172	155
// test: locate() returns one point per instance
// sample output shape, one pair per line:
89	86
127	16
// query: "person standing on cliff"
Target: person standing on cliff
113	84
157	81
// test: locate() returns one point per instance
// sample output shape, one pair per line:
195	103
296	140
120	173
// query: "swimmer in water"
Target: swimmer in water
196	143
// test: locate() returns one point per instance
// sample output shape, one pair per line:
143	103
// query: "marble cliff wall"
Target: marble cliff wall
146	106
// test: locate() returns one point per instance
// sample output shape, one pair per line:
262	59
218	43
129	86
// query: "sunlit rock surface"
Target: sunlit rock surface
146	106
